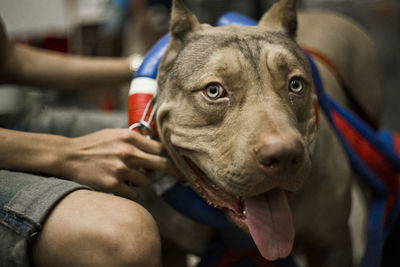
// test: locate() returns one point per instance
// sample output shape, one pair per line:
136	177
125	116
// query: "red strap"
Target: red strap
372	158
396	141
332	67
369	154
324	59
136	107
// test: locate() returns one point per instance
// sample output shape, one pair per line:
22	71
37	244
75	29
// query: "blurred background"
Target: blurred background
121	28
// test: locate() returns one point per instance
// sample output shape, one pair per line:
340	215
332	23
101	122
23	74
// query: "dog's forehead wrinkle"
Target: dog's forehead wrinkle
227	64
251	52
222	39
277	59
225	36
202	47
281	61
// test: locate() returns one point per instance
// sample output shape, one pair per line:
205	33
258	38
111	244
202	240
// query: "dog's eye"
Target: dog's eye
214	91
296	86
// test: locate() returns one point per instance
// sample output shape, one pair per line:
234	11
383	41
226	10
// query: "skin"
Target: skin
223	137
105	160
73	236
22	64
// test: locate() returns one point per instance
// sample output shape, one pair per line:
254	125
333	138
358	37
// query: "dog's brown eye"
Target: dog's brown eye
214	91
296	86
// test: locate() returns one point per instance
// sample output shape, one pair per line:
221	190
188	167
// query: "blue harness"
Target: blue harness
381	248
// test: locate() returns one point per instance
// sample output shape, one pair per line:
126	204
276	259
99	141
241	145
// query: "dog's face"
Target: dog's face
236	115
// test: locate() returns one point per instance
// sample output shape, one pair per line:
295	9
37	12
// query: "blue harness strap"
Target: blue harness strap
374	158
351	131
230	239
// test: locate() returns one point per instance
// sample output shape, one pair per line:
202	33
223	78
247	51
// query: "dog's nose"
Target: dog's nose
279	154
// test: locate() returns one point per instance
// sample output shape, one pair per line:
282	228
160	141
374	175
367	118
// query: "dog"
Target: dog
236	113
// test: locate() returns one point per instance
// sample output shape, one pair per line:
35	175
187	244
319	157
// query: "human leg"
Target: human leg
95	229
41	216
25	200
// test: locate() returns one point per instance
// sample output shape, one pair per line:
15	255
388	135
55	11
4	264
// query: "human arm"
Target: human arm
47	69
22	64
106	160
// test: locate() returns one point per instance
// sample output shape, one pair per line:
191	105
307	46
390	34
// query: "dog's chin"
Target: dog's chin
218	197
214	194
266	215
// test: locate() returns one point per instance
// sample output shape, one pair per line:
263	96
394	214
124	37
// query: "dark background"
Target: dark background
132	26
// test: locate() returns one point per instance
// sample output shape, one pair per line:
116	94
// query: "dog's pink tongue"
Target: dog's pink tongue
269	220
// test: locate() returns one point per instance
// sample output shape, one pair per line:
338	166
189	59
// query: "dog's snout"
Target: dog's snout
278	154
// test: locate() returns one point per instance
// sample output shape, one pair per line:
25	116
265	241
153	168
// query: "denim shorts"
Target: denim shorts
25	201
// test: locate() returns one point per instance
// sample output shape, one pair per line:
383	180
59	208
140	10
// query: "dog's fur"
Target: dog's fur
257	135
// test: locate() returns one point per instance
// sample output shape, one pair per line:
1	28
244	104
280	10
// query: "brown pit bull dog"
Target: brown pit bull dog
236	114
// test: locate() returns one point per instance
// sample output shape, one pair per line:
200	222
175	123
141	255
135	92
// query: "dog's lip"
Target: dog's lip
214	194
219	198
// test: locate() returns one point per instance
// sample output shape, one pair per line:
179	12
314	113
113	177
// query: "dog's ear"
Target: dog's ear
282	16
181	24
182	21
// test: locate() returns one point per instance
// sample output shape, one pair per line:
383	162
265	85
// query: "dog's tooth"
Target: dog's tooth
211	204
244	213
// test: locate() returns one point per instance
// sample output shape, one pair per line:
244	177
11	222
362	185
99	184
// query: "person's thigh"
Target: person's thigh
90	228
25	201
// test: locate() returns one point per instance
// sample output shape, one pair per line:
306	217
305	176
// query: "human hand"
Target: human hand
111	159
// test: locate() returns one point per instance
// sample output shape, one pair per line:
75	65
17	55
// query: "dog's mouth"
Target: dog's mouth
215	195
267	216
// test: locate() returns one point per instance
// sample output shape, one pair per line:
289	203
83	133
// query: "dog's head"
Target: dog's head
236	115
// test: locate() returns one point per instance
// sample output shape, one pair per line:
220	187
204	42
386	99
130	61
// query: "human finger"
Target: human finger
145	144
136	178
126	191
155	162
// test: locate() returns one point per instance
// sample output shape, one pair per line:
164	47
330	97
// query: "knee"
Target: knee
131	239
95	229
